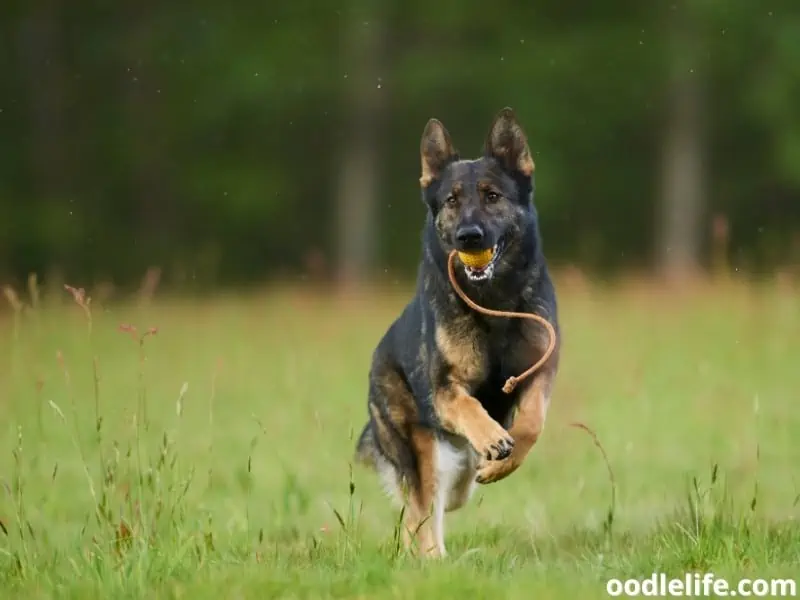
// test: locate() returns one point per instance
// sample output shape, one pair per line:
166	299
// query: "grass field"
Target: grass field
221	464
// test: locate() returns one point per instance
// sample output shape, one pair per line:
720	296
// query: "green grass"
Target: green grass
213	460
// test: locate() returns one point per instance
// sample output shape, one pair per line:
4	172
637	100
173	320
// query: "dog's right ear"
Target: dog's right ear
436	151
508	144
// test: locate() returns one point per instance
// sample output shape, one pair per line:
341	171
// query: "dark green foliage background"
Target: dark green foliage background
205	137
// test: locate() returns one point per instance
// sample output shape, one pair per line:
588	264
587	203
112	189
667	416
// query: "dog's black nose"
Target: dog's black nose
470	237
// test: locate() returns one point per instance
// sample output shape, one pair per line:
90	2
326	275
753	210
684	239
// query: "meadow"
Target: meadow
169	448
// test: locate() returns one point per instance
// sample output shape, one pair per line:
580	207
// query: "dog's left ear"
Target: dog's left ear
507	143
436	151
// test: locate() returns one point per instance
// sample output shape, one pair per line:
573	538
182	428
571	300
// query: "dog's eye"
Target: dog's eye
451	200
492	196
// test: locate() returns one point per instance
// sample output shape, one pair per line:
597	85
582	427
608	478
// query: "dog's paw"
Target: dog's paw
495	470
495	443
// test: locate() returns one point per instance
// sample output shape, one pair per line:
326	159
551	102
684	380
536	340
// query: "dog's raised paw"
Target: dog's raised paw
489	472
500	449
490	440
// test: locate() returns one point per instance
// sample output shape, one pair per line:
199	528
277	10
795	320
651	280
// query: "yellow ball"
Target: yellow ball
477	260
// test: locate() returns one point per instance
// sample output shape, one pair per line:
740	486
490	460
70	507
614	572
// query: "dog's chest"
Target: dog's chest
480	351
499	347
497	338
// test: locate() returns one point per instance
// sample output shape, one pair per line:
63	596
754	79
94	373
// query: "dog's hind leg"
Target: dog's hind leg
435	474
422	526
412	484
407	457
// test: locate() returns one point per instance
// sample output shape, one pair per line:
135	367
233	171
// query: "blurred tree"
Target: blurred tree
143	110
683	194
363	55
40	52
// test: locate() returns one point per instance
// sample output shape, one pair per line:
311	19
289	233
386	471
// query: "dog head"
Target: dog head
480	207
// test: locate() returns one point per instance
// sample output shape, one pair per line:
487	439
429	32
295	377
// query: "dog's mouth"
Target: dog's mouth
485	272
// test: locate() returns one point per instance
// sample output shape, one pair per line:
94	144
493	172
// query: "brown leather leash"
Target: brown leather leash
512	381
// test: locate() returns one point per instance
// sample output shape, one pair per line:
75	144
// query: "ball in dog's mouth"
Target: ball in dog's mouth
479	265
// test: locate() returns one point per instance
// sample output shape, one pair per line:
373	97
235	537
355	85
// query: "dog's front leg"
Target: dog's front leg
462	414
526	428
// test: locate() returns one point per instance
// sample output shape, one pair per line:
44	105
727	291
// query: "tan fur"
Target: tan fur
463	414
418	527
507	141
526	164
527	427
427	174
403	411
484	187
457	343
460	412
531	412
435	150
382	430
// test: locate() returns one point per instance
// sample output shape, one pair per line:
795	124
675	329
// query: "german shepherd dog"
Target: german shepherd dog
439	421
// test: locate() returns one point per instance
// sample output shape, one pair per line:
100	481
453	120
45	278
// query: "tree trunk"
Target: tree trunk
143	111
40	46
682	202
357	211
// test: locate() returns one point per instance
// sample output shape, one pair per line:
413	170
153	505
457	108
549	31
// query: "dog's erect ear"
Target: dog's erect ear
507	143
436	151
